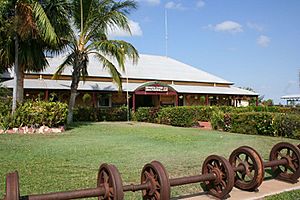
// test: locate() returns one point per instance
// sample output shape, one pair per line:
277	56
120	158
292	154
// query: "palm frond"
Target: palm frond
110	15
115	74
125	6
60	12
88	6
119	50
43	24
25	24
69	61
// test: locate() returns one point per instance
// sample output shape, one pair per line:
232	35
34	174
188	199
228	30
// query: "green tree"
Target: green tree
268	102
26	33
93	19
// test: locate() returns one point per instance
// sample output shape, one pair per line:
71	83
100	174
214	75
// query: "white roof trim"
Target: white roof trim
292	96
131	87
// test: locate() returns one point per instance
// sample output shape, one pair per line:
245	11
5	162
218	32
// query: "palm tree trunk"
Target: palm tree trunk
74	86
18	78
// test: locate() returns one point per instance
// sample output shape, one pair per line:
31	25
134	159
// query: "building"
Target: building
154	81
291	100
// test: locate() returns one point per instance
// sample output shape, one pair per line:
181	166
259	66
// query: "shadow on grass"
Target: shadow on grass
268	174
77	125
199	194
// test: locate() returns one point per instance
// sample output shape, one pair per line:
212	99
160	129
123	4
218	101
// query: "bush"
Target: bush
287	125
100	114
257	123
145	114
113	114
36	113
265	123
217	120
177	116
85	113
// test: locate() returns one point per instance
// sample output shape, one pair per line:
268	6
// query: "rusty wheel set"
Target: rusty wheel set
245	170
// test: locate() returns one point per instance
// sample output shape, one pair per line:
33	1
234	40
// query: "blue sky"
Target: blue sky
252	43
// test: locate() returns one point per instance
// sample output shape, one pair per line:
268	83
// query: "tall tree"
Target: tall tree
27	33
93	19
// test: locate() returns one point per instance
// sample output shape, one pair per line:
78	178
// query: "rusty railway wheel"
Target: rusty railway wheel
12	186
223	184
156	176
110	178
253	168
291	153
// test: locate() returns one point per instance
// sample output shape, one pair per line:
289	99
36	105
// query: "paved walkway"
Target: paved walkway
267	188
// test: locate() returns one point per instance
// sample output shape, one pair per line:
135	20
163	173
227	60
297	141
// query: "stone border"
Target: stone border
30	130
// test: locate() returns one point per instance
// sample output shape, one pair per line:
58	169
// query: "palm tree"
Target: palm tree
93	19
26	33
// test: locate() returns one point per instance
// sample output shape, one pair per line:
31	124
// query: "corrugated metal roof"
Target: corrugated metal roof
291	96
213	90
108	86
149	67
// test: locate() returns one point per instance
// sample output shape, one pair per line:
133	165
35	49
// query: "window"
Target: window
104	100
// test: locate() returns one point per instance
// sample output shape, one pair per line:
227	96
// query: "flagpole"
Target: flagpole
127	97
166	31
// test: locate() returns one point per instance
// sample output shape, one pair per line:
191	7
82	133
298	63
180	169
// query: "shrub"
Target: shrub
287	125
87	113
36	113
177	116
87	98
217	119
264	123
112	114
146	114
252	123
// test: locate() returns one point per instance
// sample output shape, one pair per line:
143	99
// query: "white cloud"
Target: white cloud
263	41
134	27
226	26
255	26
200	4
229	26
174	6
151	2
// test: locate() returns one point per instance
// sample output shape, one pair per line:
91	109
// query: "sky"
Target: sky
252	43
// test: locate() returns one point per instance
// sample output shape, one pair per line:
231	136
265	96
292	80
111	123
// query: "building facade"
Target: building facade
155	81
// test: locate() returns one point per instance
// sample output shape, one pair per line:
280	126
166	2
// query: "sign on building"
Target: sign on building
156	89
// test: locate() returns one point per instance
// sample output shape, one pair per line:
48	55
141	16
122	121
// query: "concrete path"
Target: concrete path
267	188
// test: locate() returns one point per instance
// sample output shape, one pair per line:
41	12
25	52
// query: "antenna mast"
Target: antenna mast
299	78
166	31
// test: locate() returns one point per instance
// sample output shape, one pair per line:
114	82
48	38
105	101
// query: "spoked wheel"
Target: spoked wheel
157	177
291	153
12	186
252	174
110	179
223	184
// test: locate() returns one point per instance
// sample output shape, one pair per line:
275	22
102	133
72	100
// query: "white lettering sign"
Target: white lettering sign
156	89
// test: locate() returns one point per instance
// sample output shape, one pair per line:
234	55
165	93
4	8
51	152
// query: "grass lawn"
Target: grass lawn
48	163
292	195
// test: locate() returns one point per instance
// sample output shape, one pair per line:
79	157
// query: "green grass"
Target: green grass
48	163
291	195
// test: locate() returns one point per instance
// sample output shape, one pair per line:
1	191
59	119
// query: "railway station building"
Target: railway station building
155	81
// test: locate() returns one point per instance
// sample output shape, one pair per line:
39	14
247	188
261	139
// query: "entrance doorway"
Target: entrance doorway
147	101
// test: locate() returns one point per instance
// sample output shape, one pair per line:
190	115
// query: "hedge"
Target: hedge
146	114
260	120
100	114
265	123
171	115
177	116
35	113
